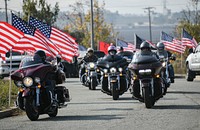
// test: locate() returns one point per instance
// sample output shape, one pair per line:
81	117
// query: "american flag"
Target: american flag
9	36
127	46
188	40
171	43
138	42
67	46
35	37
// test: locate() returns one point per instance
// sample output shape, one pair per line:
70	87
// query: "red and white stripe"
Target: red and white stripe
65	45
175	46
9	36
189	43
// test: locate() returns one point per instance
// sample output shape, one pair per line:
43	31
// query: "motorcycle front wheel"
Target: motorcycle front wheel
31	109
93	83
115	91
148	99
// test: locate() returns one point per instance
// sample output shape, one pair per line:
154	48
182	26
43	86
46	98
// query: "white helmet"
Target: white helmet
90	50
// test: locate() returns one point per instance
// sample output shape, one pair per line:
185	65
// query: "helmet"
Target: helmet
145	45
112	49
160	46
90	50
41	53
121	48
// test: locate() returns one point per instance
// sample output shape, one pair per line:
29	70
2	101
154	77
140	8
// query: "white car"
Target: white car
5	65
193	64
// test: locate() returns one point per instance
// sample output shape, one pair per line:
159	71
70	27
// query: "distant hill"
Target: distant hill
128	24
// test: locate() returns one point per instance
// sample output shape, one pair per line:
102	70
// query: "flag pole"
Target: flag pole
10	83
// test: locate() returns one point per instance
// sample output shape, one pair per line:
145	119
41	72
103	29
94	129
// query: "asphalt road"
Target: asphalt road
179	109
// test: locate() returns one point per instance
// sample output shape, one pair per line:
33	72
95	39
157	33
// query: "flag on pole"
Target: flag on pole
63	41
126	46
9	36
171	43
34	36
188	40
139	40
103	46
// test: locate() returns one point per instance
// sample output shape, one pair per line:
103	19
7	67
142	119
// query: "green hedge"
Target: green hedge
4	94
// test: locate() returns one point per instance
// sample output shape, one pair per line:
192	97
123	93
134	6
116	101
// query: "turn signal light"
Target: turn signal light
39	86
21	90
157	76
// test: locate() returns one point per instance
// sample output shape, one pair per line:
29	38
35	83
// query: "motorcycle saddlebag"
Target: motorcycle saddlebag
62	94
60	77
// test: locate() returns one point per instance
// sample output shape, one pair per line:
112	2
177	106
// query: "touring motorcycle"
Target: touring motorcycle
39	92
91	77
114	78
147	84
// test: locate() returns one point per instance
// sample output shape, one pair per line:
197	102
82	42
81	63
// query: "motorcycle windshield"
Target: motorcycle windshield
29	62
144	59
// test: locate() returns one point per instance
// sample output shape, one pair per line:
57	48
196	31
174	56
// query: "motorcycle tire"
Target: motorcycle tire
148	99
30	108
115	92
93	84
54	113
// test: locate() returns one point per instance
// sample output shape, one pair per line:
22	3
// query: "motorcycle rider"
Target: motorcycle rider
161	51
145	49
40	56
89	57
113	57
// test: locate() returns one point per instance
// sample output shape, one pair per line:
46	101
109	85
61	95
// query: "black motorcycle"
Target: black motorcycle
147	84
38	91
114	78
91	77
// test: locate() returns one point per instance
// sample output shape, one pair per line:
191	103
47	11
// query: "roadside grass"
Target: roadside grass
4	94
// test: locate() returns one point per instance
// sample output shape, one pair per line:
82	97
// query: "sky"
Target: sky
122	6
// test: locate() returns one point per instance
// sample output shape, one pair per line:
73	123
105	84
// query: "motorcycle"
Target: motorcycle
91	77
39	92
147	84
114	78
165	70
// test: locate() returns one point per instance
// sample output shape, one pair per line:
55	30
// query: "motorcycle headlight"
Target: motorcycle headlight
28	81
120	69
105	71
145	72
163	64
91	65
113	70
37	79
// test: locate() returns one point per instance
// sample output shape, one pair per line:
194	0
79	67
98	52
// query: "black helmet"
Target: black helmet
121	48
41	53
160	46
145	45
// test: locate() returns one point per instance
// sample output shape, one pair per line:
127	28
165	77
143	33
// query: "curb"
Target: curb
13	111
179	75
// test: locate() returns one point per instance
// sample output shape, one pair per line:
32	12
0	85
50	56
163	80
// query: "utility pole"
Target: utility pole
92	26
6	11
149	13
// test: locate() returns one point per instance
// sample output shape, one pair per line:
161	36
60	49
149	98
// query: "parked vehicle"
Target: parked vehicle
147	84
38	91
114	78
193	64
5	64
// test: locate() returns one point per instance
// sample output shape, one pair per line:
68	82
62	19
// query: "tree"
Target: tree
81	22
40	10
